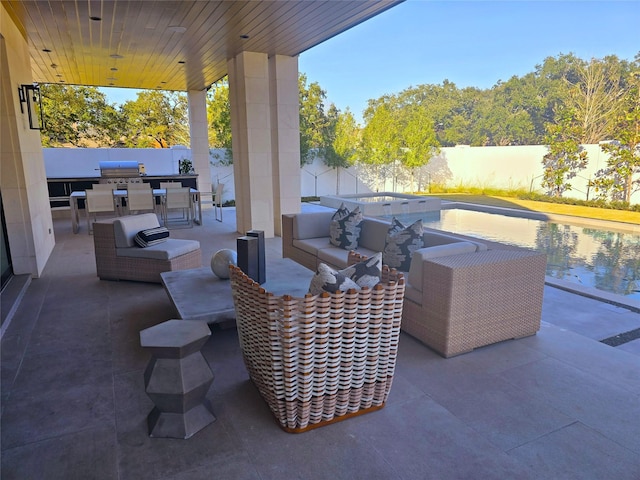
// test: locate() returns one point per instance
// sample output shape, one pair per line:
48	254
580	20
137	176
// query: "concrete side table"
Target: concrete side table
177	378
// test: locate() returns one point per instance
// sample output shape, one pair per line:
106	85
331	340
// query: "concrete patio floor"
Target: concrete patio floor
558	405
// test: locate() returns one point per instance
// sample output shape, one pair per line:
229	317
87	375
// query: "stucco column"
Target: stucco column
285	136
251	137
198	129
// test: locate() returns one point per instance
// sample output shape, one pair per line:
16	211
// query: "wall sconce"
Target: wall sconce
30	94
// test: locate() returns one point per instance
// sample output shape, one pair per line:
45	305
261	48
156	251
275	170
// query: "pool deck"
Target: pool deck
560	404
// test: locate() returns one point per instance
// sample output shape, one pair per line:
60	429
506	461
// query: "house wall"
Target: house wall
23	181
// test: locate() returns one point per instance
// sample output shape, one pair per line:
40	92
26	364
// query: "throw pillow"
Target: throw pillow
327	279
401	242
344	230
366	273
151	236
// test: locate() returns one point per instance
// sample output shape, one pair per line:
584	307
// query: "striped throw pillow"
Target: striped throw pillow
151	236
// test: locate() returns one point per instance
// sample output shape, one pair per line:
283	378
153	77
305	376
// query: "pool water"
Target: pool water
601	259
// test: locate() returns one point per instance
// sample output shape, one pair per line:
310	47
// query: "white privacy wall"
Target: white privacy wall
496	167
85	162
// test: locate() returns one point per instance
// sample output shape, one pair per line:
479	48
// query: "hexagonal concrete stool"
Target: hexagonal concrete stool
177	378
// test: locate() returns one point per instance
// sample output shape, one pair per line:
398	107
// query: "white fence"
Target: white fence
496	167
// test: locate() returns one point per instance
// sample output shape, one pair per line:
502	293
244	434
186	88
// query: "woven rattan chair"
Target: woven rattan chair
322	358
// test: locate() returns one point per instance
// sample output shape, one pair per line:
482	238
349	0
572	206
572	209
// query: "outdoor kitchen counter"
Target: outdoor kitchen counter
60	188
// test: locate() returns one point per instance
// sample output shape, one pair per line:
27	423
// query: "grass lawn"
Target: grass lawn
544	207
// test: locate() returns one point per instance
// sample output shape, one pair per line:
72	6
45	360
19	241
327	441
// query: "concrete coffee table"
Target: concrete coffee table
197	294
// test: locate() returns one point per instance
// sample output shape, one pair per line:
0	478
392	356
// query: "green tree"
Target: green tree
621	177
419	142
565	157
340	144
219	118
78	116
313	120
157	119
596	97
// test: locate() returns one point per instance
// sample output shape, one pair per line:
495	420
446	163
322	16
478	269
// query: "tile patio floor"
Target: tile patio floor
558	405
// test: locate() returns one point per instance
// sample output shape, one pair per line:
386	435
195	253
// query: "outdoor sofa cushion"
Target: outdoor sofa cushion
344	230
401	242
167	250
125	228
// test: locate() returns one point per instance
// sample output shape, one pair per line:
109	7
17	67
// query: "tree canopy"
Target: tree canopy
156	119
79	117
563	103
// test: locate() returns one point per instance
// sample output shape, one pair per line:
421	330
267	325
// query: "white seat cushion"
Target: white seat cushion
168	250
312	245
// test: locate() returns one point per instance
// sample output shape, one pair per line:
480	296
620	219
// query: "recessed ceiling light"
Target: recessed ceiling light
115	55
244	37
54	66
182	61
58	75
111	84
46	50
112	78
114	69
61	81
95	19
176	28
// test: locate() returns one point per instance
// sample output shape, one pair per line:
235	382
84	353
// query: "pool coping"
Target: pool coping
553	217
590	292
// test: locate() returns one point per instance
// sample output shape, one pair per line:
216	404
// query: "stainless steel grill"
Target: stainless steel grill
121	173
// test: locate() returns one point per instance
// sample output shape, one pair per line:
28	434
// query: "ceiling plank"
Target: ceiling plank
141	32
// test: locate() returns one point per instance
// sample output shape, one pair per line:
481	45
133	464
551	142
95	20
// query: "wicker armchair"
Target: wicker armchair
117	260
322	358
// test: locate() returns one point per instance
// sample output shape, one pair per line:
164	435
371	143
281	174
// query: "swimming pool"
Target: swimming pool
606	260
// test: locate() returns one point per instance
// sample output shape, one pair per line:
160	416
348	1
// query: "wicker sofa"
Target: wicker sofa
118	258
461	292
322	358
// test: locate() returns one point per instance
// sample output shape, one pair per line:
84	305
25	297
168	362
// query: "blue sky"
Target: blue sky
471	43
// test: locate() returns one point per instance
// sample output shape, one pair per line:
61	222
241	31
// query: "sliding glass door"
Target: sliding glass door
7	270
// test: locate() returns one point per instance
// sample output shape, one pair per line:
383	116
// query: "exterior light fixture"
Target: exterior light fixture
30	94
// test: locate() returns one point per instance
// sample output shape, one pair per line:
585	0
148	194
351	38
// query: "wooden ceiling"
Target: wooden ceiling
171	44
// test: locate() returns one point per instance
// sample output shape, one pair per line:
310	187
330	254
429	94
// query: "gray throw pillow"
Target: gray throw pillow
344	230
329	280
401	242
366	273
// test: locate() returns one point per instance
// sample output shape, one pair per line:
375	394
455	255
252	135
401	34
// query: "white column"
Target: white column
198	129
285	136
251	132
